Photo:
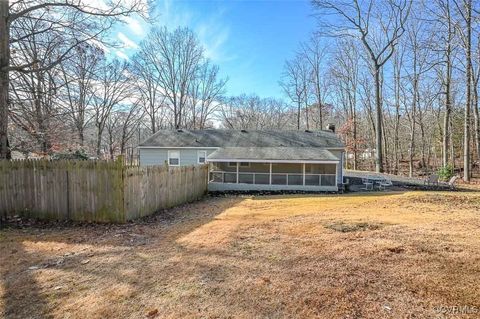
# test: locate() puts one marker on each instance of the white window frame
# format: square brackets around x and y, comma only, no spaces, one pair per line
[170,156]
[235,164]
[204,156]
[240,165]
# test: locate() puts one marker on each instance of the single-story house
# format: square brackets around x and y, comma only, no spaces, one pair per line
[244,160]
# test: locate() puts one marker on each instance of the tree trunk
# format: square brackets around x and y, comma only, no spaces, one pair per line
[446,131]
[354,120]
[299,110]
[306,115]
[477,120]
[99,141]
[319,99]
[413,126]
[448,95]
[452,147]
[466,147]
[110,149]
[4,80]
[396,126]
[411,151]
[154,128]
[81,136]
[378,123]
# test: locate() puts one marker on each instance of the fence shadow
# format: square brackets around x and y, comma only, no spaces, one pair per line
[111,249]
[19,283]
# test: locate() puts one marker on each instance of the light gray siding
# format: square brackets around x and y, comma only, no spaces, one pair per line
[159,156]
[188,156]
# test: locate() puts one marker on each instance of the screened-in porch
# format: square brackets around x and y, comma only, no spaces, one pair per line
[272,176]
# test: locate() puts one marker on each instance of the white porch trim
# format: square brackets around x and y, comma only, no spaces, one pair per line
[273,161]
[181,147]
[221,187]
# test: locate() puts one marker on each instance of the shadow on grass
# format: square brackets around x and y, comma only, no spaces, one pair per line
[19,284]
[344,195]
[259,270]
[25,297]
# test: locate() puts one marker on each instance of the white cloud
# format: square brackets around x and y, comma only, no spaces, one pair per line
[121,55]
[211,29]
[129,44]
[134,25]
[214,37]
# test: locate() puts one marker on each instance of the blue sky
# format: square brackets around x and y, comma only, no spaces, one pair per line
[248,39]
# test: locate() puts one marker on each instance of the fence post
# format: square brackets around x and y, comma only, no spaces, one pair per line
[67,167]
[120,169]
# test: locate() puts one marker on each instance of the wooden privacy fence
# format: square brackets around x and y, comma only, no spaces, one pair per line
[99,191]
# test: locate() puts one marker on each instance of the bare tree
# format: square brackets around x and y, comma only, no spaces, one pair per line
[78,74]
[444,29]
[121,126]
[205,91]
[464,8]
[149,89]
[111,90]
[73,21]
[295,83]
[253,112]
[315,54]
[389,17]
[345,76]
[475,102]
[34,95]
[175,56]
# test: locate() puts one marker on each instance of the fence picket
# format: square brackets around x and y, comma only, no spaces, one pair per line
[99,191]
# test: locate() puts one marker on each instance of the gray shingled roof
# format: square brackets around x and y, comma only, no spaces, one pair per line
[249,138]
[273,153]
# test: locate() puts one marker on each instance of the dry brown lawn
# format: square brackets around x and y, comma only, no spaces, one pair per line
[392,255]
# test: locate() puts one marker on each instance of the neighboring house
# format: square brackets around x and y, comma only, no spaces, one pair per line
[253,159]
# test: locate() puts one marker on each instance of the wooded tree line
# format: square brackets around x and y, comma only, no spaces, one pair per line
[399,78]
[66,92]
[403,77]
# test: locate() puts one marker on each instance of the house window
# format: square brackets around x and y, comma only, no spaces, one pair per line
[201,155]
[174,158]
[232,164]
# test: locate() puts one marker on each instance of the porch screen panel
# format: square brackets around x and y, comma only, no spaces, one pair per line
[245,178]
[312,180]
[295,179]
[279,179]
[230,177]
[328,180]
[216,177]
[262,179]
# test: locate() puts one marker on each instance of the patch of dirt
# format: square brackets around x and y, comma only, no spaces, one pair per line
[345,227]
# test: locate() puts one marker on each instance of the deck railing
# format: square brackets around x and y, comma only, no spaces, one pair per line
[273,178]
